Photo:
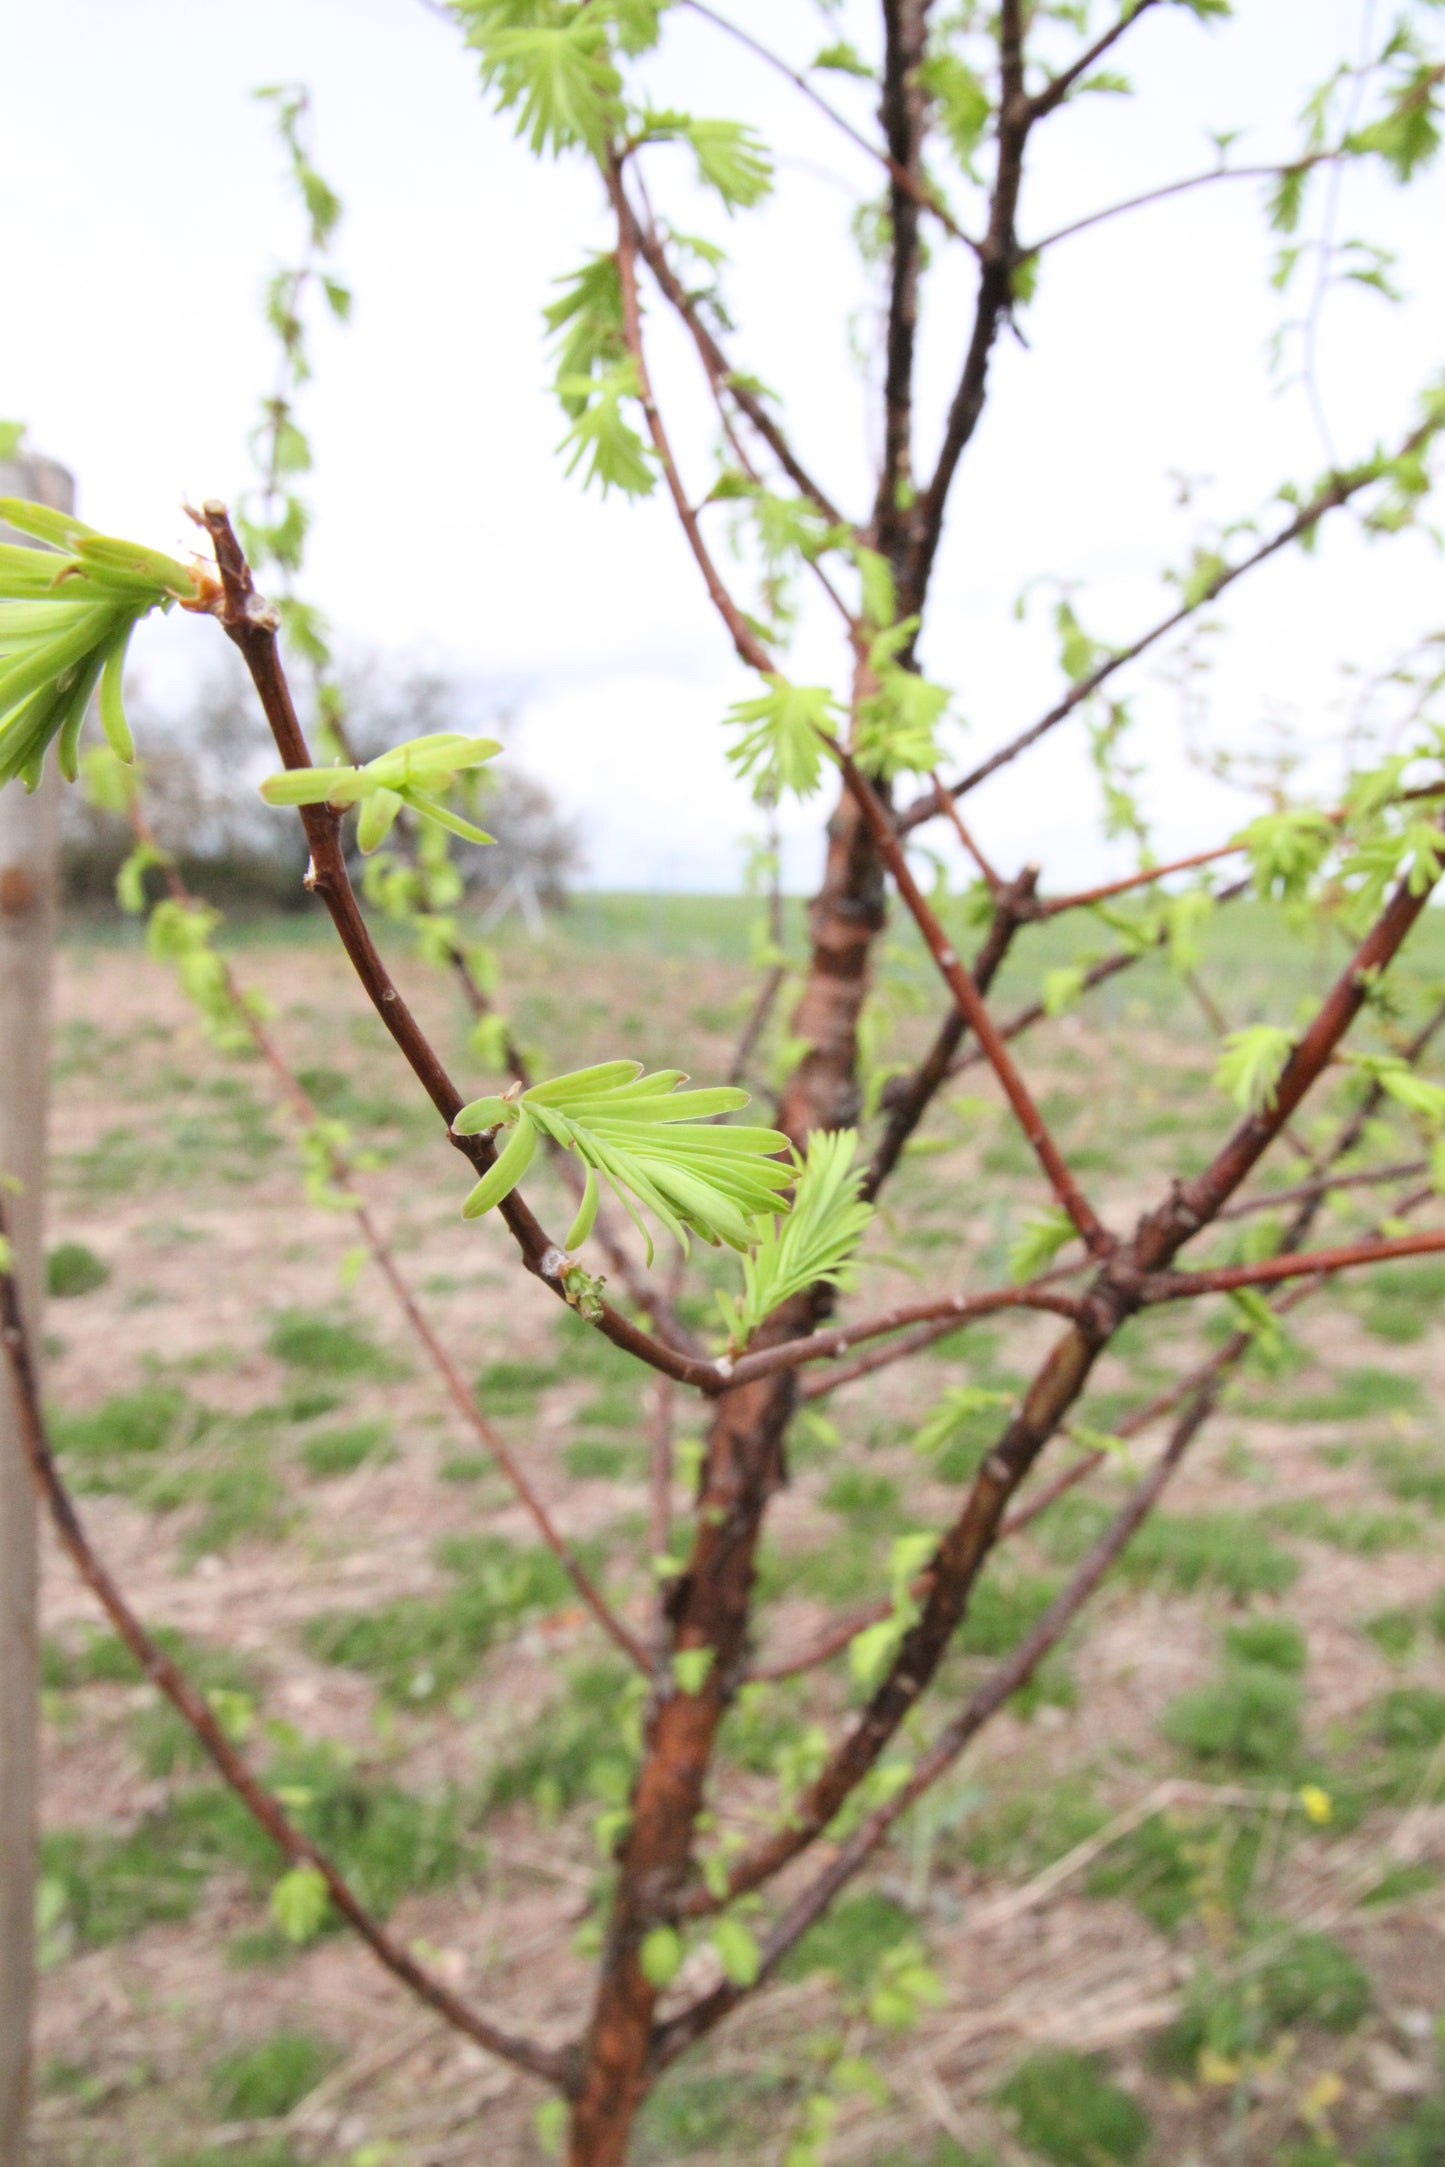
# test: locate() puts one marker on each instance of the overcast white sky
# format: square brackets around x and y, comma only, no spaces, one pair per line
[146,205]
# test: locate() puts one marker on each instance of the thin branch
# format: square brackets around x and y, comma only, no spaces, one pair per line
[1371,1177]
[1096,975]
[1337,491]
[903,112]
[1226,1278]
[909,1108]
[897,1350]
[719,370]
[1177,188]
[911,183]
[993,881]
[552,2063]
[997,258]
[955,1308]
[966,994]
[480,1004]
[1117,1292]
[1051,906]
[834,1638]
[750,648]
[420,1325]
[683,2030]
[252,625]
[1057,89]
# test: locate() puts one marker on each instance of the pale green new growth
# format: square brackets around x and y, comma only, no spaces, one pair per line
[1400,1082]
[1251,1065]
[813,1244]
[896,723]
[952,1412]
[67,612]
[783,737]
[1039,1243]
[415,774]
[871,1651]
[653,1144]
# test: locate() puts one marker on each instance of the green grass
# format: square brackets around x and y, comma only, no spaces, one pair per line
[577,1748]
[692,2112]
[109,1884]
[1065,2109]
[263,2082]
[1394,1632]
[1416,2140]
[329,1346]
[1400,1301]
[1017,1834]
[271,2154]
[850,1941]
[862,1490]
[1248,1722]
[600,1459]
[1412,1716]
[1412,1472]
[128,1424]
[419,1648]
[1306,1978]
[1355,1396]
[513,1388]
[72,1269]
[1165,1867]
[1277,1643]
[342,1451]
[1366,1534]
[1185,1554]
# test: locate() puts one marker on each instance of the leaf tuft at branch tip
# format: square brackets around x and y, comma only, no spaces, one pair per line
[814,1244]
[659,1148]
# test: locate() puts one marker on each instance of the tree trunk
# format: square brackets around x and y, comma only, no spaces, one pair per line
[27,928]
[711,1604]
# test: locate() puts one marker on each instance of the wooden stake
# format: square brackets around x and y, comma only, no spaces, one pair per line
[28,898]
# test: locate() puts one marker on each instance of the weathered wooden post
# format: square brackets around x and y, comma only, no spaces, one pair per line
[28,898]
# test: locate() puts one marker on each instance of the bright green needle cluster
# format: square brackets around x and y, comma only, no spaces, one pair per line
[416,774]
[816,1241]
[653,1144]
[67,612]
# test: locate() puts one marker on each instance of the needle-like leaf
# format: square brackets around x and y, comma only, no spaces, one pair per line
[658,1147]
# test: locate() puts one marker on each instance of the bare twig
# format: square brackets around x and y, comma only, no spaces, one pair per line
[913,184]
[1337,491]
[252,625]
[550,2062]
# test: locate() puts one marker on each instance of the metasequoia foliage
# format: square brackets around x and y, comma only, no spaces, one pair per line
[961,95]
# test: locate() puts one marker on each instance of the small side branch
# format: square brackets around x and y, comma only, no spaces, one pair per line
[965,992]
[251,624]
[949,1310]
[552,2063]
[1226,1279]
[1337,491]
[683,2030]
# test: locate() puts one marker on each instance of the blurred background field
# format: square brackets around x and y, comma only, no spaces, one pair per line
[1185,1901]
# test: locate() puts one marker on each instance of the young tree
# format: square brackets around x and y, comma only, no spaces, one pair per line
[964,96]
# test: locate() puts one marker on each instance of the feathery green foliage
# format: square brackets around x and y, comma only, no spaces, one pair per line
[416,775]
[653,1144]
[67,612]
[784,731]
[813,1244]
[1251,1065]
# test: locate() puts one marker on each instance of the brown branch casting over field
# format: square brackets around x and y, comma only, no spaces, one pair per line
[549,2062]
[1338,490]
[382,1255]
[252,625]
